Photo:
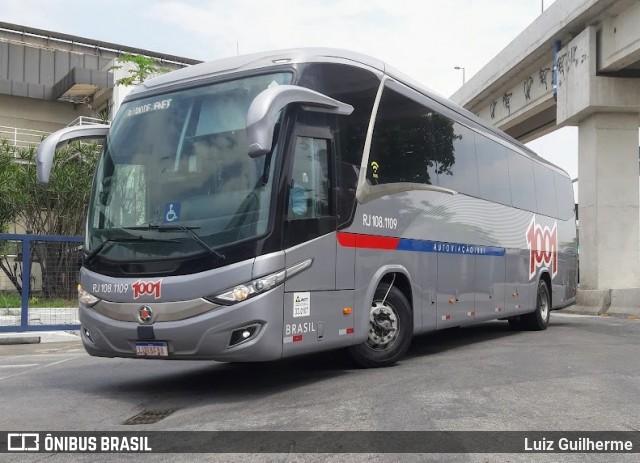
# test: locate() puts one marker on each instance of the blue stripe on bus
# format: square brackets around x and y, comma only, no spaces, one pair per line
[407,244]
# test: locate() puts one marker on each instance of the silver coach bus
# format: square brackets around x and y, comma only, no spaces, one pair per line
[277,204]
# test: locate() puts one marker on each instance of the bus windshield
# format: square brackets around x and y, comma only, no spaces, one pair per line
[175,179]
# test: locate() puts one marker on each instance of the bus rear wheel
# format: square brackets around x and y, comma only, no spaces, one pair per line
[537,320]
[390,329]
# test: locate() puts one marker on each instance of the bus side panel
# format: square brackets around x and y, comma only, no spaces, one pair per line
[345,267]
[429,273]
[564,285]
[552,241]
[456,289]
[316,321]
[314,313]
[382,221]
[321,275]
[490,287]
[517,282]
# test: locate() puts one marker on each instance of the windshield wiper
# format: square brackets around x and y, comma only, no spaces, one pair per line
[188,230]
[120,239]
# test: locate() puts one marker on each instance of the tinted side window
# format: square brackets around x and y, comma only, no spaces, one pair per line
[352,85]
[564,195]
[461,174]
[309,191]
[523,191]
[545,190]
[493,172]
[411,142]
[357,87]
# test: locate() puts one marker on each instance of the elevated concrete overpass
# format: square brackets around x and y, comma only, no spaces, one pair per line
[578,64]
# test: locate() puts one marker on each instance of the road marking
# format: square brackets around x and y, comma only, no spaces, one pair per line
[40,367]
[573,315]
[24,365]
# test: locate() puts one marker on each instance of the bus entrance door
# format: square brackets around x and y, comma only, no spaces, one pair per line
[314,315]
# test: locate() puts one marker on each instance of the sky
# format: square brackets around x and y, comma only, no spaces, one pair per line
[425,39]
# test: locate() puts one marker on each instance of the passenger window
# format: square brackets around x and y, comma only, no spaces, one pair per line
[564,194]
[413,143]
[493,173]
[523,190]
[460,172]
[408,142]
[339,81]
[310,186]
[545,190]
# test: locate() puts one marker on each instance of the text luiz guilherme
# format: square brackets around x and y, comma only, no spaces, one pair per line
[582,444]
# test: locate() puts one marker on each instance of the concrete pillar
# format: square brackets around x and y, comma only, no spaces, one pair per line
[609,209]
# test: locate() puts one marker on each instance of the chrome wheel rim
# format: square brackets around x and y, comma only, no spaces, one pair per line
[383,325]
[544,305]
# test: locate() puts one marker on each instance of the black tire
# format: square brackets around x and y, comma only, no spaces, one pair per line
[515,323]
[384,346]
[538,320]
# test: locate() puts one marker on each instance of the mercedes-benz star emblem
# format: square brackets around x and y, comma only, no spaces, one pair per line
[145,314]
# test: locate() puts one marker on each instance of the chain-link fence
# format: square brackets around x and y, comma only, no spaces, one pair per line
[38,282]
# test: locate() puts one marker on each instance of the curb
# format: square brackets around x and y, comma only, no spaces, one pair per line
[10,340]
[628,313]
[41,337]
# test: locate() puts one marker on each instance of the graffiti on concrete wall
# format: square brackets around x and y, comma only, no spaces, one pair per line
[561,67]
[539,83]
[528,82]
[506,101]
[572,58]
[542,75]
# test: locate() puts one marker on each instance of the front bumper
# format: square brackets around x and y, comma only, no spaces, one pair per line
[203,336]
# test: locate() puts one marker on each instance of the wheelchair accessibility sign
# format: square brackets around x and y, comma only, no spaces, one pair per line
[171,212]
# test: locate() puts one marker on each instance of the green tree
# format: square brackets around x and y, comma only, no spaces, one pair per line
[58,208]
[143,68]
[7,174]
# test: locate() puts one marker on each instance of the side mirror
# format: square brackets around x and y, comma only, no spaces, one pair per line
[47,149]
[265,107]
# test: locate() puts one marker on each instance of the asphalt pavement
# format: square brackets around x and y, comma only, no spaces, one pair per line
[34,337]
[581,374]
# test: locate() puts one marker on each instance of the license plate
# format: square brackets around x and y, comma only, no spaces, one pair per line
[152,349]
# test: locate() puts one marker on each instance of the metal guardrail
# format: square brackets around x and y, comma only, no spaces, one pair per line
[22,138]
[57,259]
[85,120]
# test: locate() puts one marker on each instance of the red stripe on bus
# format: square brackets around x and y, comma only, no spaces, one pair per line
[353,240]
[347,240]
[297,338]
[350,331]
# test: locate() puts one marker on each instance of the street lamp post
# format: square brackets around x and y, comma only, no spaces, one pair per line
[463,76]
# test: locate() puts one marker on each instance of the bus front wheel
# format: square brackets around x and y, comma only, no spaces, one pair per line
[390,329]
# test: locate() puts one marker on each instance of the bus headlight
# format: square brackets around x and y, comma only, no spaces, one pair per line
[86,298]
[239,293]
[260,285]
